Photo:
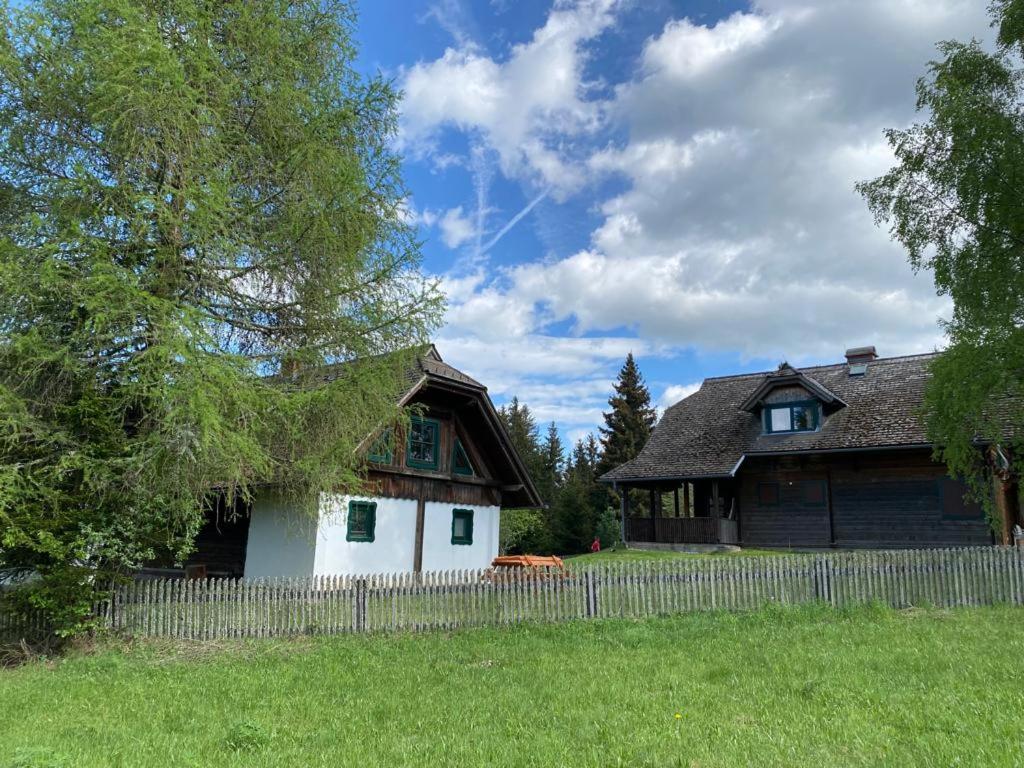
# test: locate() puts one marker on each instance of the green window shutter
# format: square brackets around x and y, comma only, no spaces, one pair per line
[362,520]
[423,445]
[462,526]
[460,461]
[382,450]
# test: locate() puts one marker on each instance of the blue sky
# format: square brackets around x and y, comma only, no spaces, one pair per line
[674,178]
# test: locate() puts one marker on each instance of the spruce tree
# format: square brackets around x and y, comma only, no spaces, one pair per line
[523,432]
[192,196]
[629,423]
[581,508]
[551,465]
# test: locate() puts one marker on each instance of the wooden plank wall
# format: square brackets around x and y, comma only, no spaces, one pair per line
[891,499]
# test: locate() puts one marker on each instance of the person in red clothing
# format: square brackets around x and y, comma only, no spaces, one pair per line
[596,546]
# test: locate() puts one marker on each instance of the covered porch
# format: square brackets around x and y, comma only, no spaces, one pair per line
[701,511]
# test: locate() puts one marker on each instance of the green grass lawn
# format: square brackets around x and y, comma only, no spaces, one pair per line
[606,556]
[795,687]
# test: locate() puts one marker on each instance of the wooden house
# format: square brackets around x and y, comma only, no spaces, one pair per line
[829,456]
[432,503]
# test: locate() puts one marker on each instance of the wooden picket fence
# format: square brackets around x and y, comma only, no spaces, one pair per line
[225,608]
[230,608]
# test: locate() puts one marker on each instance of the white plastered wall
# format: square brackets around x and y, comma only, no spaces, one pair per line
[439,554]
[391,551]
[285,541]
[282,540]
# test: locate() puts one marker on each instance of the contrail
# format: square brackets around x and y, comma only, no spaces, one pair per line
[512,222]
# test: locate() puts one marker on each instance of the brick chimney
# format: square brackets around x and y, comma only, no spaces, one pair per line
[861,355]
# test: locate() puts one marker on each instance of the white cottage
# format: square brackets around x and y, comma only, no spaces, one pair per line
[435,505]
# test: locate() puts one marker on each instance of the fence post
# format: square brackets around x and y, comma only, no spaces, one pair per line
[822,580]
[592,594]
[360,606]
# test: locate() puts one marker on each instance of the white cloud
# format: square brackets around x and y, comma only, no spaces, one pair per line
[456,228]
[686,50]
[739,228]
[674,393]
[734,225]
[527,107]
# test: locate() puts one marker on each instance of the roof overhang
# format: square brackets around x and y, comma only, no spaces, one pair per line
[478,394]
[761,455]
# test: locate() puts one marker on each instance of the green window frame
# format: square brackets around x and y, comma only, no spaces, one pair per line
[461,464]
[382,449]
[362,521]
[462,526]
[803,416]
[423,446]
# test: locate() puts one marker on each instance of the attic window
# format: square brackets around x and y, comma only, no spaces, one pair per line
[803,416]
[424,443]
[858,369]
[460,461]
[381,450]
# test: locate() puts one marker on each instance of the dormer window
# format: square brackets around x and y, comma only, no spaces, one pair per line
[802,416]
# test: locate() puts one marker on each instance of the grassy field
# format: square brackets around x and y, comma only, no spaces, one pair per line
[796,687]
[606,556]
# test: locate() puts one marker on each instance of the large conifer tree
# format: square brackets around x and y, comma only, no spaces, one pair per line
[629,423]
[191,194]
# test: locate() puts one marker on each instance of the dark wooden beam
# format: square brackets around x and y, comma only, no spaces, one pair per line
[624,496]
[421,508]
[675,500]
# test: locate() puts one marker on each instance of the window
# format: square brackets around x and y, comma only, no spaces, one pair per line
[768,494]
[462,526]
[813,492]
[791,417]
[424,438]
[460,461]
[362,519]
[382,451]
[956,504]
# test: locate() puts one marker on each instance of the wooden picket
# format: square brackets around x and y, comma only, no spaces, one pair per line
[450,600]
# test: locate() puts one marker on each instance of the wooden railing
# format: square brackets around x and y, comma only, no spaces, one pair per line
[682,530]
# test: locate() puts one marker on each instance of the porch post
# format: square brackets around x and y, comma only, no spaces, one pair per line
[686,500]
[624,507]
[675,499]
[714,499]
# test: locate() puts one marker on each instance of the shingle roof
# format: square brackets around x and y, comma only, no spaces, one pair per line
[427,364]
[707,434]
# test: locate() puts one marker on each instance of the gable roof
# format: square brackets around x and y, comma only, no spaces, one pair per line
[429,371]
[788,376]
[709,433]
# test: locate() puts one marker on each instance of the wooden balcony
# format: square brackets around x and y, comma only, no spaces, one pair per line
[682,530]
